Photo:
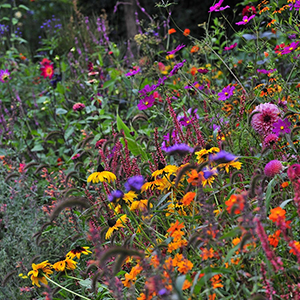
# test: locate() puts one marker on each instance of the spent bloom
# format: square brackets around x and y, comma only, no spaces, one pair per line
[226,93]
[217,7]
[248,11]
[272,168]
[245,20]
[4,75]
[263,121]
[282,126]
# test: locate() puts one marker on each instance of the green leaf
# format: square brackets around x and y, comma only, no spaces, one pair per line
[63,66]
[108,83]
[269,193]
[6,5]
[60,88]
[23,6]
[133,146]
[15,21]
[37,148]
[87,283]
[69,132]
[61,111]
[179,283]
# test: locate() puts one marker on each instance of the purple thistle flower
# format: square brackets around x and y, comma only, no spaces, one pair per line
[4,75]
[115,195]
[217,7]
[180,149]
[282,126]
[222,157]
[245,20]
[146,102]
[209,172]
[230,47]
[267,115]
[179,47]
[226,93]
[134,183]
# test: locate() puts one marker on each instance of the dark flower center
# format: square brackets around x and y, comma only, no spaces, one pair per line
[267,118]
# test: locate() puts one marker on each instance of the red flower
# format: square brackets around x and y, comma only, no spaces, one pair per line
[47,70]
[186,32]
[248,11]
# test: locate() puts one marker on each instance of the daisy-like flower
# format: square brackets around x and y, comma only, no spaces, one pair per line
[177,67]
[267,115]
[102,176]
[245,20]
[282,126]
[230,47]
[47,70]
[186,32]
[181,149]
[270,139]
[65,264]
[272,168]
[226,93]
[134,183]
[77,251]
[40,272]
[115,225]
[169,169]
[202,155]
[235,164]
[78,106]
[146,102]
[217,7]
[139,204]
[288,49]
[4,75]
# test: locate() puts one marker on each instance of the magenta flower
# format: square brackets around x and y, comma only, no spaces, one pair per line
[4,75]
[270,139]
[226,93]
[230,47]
[78,106]
[133,71]
[146,102]
[202,71]
[290,48]
[217,7]
[282,126]
[245,20]
[272,168]
[179,47]
[266,71]
[263,121]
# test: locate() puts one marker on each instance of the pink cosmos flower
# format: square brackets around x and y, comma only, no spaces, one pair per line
[290,48]
[217,7]
[282,126]
[4,75]
[230,47]
[245,20]
[226,93]
[263,121]
[146,102]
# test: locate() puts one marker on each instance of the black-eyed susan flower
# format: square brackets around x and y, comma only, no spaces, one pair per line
[115,225]
[66,263]
[140,204]
[102,176]
[202,155]
[235,164]
[77,251]
[40,272]
[169,169]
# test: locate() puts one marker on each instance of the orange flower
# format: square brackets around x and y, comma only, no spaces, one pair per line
[186,32]
[172,30]
[295,247]
[212,297]
[188,198]
[195,49]
[185,266]
[22,56]
[285,184]
[194,71]
[206,254]
[174,227]
[216,281]
[193,177]
[130,278]
[266,54]
[274,238]
[186,285]
[235,204]
[277,214]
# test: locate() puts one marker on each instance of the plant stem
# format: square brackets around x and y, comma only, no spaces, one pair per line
[64,288]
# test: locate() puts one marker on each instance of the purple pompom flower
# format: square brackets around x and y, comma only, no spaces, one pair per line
[222,157]
[134,183]
[272,168]
[180,149]
[114,196]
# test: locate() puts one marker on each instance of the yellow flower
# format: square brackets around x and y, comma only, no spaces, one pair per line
[103,176]
[65,264]
[203,154]
[115,225]
[141,205]
[234,164]
[39,272]
[130,196]
[76,252]
[169,169]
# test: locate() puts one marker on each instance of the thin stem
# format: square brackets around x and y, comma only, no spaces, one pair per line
[64,288]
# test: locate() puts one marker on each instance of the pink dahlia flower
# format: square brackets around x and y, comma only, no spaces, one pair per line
[267,114]
[272,168]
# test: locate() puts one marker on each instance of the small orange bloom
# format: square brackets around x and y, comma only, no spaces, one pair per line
[295,247]
[277,214]
[186,285]
[195,49]
[188,198]
[206,254]
[212,297]
[194,177]
[186,32]
[274,238]
[285,184]
[216,281]
[266,54]
[172,30]
[235,204]
[174,227]
[194,71]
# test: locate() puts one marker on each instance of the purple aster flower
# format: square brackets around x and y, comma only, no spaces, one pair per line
[4,75]
[270,139]
[217,7]
[115,195]
[176,68]
[209,172]
[282,126]
[245,20]
[222,157]
[146,102]
[180,149]
[266,71]
[272,168]
[134,183]
[78,106]
[267,114]
[133,72]
[230,47]
[179,47]
[290,48]
[226,93]
[292,36]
